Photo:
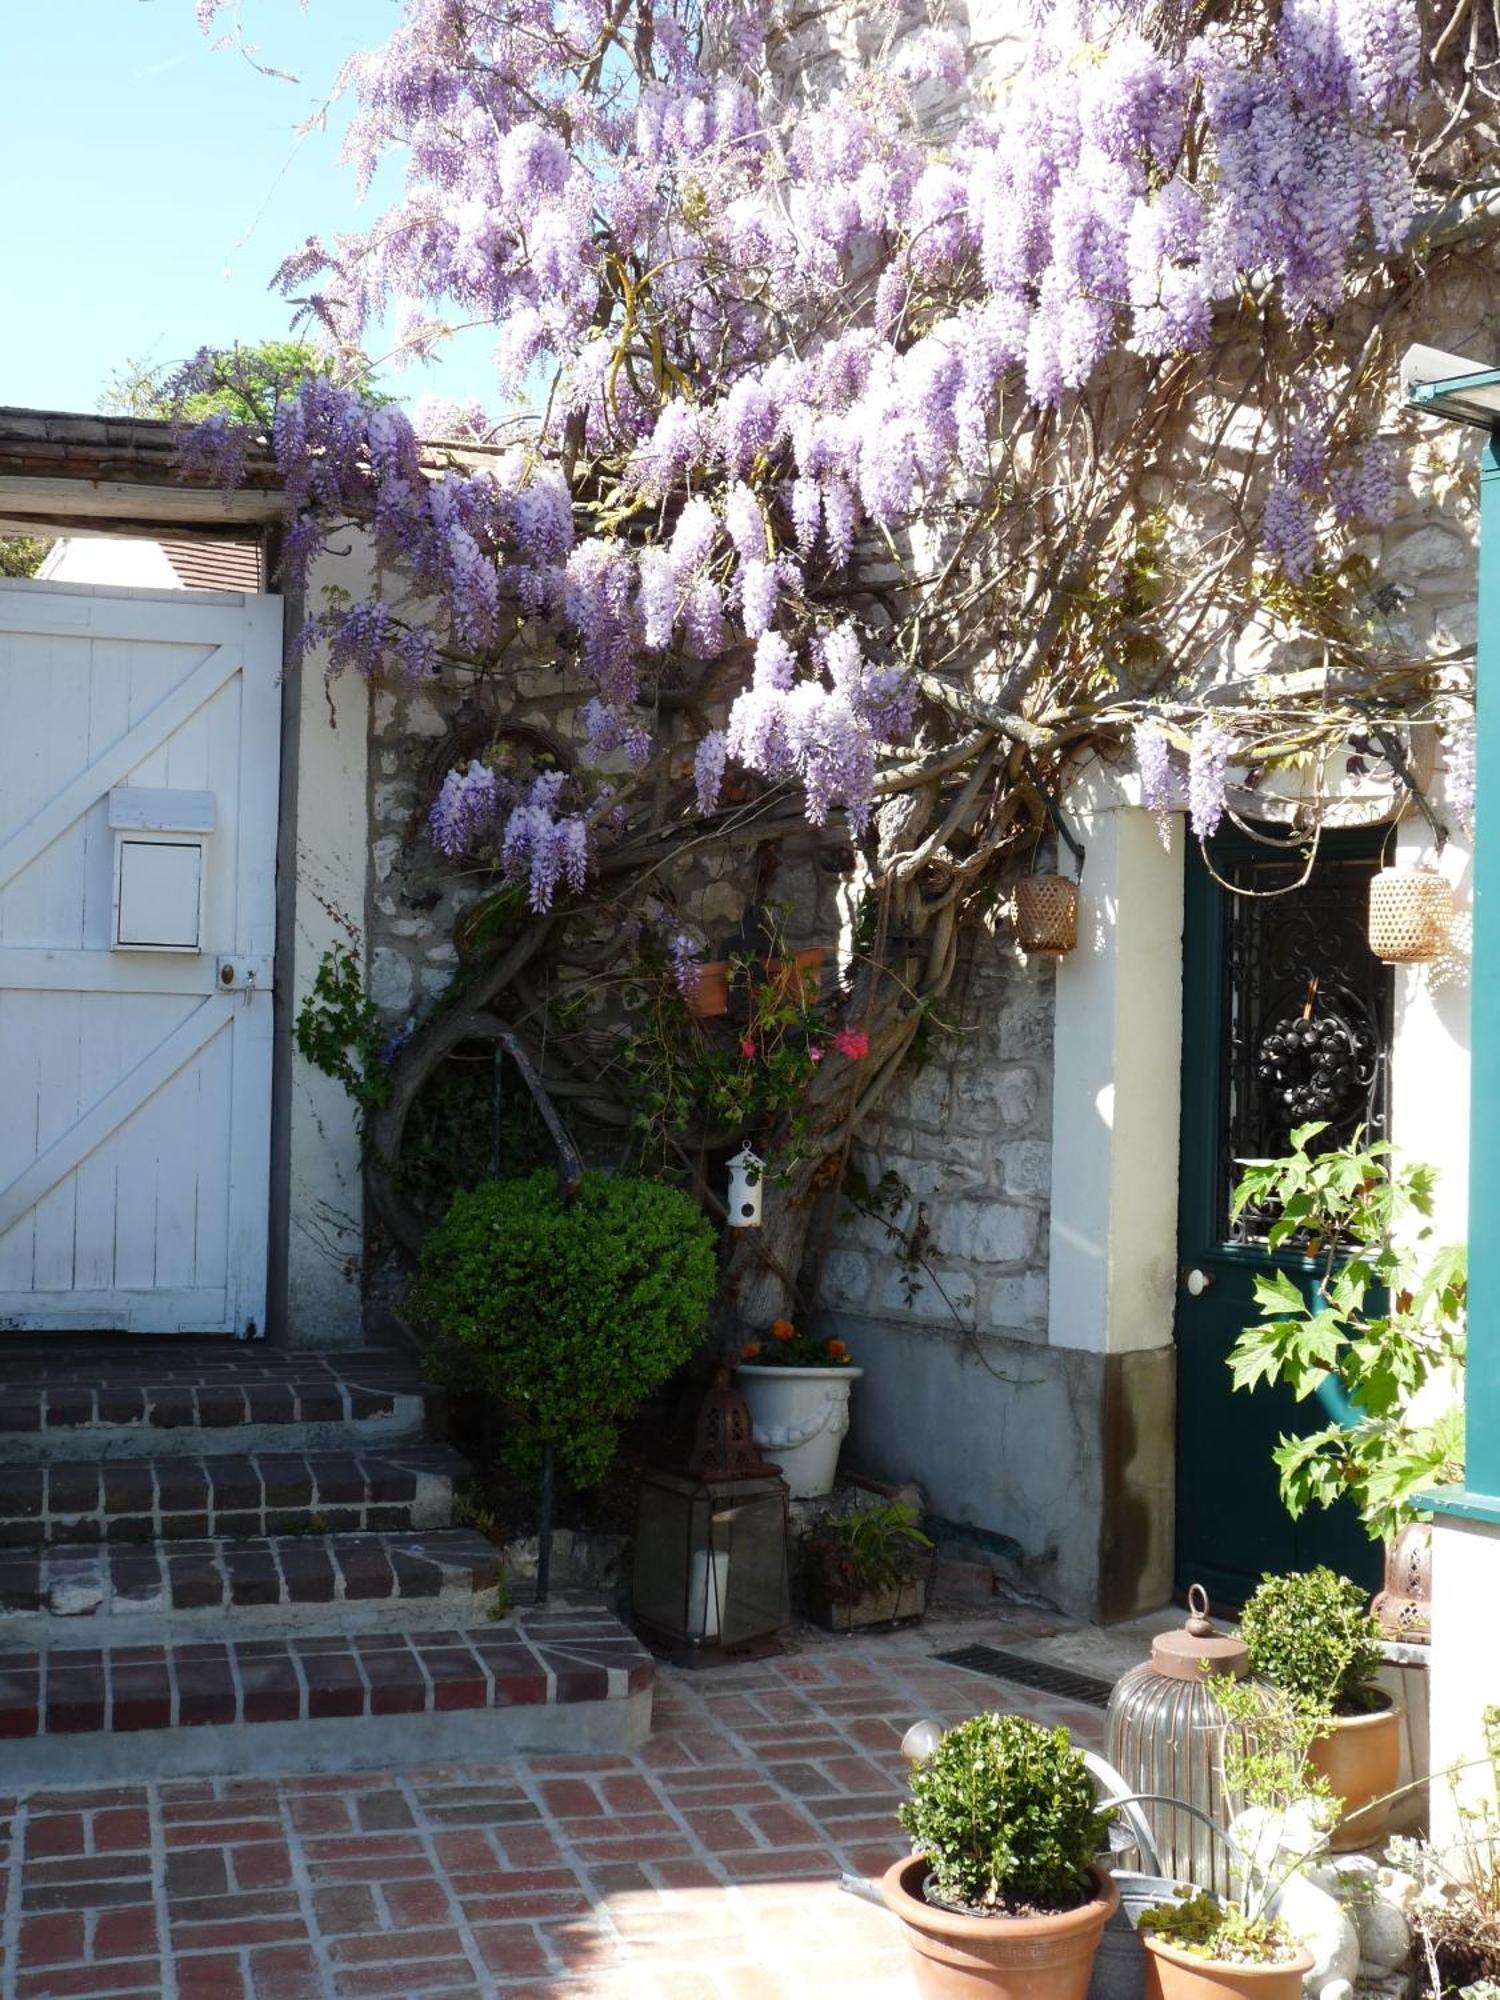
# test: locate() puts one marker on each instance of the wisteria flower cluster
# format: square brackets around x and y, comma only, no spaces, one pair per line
[770,327]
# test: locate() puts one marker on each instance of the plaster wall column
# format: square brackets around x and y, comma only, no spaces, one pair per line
[1113,1232]
[317,1190]
[1430,1044]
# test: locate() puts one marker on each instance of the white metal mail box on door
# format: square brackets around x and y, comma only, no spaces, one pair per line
[159,867]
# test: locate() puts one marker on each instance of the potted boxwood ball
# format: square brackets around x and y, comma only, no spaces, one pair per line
[1002,1895]
[1310,1634]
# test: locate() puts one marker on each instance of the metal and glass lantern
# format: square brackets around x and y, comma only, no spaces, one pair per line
[1164,1734]
[711,1542]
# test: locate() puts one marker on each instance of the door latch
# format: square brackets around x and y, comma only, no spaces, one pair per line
[243,975]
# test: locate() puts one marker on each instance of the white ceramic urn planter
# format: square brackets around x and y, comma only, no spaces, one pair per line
[800,1416]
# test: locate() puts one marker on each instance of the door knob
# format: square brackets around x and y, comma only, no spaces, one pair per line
[1198,1282]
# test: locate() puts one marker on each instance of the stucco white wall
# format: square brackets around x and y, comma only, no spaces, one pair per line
[113,559]
[1116,1084]
[1465,1676]
[1430,1046]
[325,1192]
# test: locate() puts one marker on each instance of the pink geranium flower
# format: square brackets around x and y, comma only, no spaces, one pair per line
[747,1046]
[853,1043]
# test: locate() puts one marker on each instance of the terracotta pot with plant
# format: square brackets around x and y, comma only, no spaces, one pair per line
[1310,1634]
[1198,1948]
[867,1568]
[1003,1895]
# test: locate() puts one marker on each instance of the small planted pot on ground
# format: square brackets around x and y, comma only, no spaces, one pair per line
[1310,1634]
[867,1568]
[1199,1949]
[1003,1896]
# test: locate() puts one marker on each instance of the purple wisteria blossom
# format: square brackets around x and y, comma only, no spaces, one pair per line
[466,811]
[1153,760]
[782,331]
[544,847]
[682,956]
[1460,781]
[1209,751]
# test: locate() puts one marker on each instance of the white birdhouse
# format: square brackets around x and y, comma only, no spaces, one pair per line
[745,1170]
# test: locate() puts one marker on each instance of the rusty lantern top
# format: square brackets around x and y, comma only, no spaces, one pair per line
[1198,1648]
[724,1444]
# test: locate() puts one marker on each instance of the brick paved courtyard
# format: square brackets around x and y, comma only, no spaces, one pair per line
[704,1867]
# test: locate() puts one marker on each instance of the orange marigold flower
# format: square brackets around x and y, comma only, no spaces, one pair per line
[749,1351]
[838,1351]
[782,1329]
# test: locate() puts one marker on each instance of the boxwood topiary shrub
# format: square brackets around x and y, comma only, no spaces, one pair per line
[1310,1634]
[569,1313]
[1005,1812]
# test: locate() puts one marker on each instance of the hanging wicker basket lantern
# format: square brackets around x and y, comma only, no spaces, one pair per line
[1047,914]
[1410,911]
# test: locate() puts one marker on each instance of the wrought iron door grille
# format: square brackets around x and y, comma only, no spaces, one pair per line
[1301,953]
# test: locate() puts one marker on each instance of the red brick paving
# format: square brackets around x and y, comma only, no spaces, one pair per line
[706,1866]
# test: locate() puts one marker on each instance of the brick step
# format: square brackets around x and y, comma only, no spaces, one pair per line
[563,1676]
[446,1573]
[193,1498]
[142,1399]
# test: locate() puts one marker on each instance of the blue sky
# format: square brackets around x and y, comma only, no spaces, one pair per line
[153,185]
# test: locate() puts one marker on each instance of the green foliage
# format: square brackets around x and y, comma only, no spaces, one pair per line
[1310,1633]
[339,1032]
[1366,1222]
[1199,1923]
[22,555]
[1268,1733]
[1004,1811]
[685,1076]
[871,1550]
[250,381]
[569,1313]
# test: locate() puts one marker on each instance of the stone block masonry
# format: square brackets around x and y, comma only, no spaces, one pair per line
[967,1135]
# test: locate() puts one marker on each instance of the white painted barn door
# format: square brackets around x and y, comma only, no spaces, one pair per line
[135,1083]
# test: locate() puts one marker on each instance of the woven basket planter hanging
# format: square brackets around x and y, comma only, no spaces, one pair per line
[1047,914]
[1410,911]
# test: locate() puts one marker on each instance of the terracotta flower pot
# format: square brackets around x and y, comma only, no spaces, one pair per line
[1361,1759]
[796,978]
[955,1957]
[710,994]
[1172,1974]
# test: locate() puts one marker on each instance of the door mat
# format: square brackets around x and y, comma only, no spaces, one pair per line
[1039,1674]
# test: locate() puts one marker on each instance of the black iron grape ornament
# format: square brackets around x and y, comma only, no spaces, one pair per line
[1310,1064]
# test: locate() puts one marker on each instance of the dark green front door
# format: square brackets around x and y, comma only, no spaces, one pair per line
[1248,961]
